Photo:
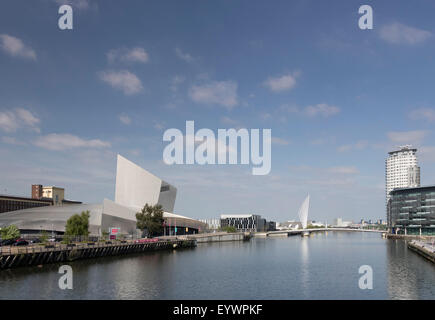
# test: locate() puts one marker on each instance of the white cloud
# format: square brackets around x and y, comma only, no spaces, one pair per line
[183,56]
[321,109]
[15,47]
[283,83]
[8,121]
[427,153]
[359,145]
[27,117]
[125,119]
[423,114]
[266,116]
[175,82]
[59,142]
[280,141]
[222,93]
[340,176]
[12,140]
[397,33]
[123,80]
[343,170]
[412,137]
[323,140]
[17,118]
[159,125]
[229,121]
[128,55]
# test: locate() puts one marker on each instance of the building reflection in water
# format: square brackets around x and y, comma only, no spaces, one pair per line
[402,280]
[305,272]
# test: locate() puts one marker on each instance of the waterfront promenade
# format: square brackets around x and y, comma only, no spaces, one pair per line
[423,248]
[11,257]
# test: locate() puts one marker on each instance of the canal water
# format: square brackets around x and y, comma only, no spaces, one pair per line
[322,266]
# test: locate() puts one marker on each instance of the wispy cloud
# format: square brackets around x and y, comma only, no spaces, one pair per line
[412,137]
[159,125]
[222,93]
[423,114]
[281,83]
[343,170]
[58,142]
[16,48]
[123,80]
[229,121]
[183,55]
[321,109]
[427,153]
[13,141]
[125,119]
[397,33]
[359,145]
[175,82]
[17,118]
[280,141]
[327,176]
[137,54]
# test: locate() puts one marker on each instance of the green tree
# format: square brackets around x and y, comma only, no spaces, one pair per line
[78,225]
[44,236]
[229,229]
[10,232]
[104,234]
[151,219]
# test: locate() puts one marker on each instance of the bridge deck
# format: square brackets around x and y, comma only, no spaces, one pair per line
[291,232]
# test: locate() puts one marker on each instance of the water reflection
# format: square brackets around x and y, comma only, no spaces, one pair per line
[409,275]
[323,266]
[305,271]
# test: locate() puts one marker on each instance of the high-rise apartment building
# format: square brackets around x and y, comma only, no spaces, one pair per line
[401,170]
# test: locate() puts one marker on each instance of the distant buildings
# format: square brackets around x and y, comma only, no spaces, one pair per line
[271,226]
[286,225]
[315,224]
[338,222]
[247,222]
[41,197]
[212,224]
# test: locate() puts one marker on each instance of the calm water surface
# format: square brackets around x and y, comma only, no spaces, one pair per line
[323,266]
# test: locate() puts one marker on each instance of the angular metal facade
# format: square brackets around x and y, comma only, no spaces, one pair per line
[135,187]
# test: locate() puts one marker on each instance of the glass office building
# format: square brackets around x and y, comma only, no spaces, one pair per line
[244,222]
[412,211]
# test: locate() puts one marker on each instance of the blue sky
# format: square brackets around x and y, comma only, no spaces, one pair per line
[337,98]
